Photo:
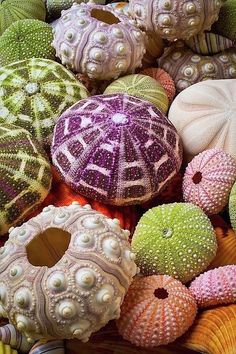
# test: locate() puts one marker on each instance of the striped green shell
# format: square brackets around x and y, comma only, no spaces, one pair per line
[25,175]
[209,43]
[141,86]
[34,93]
[14,10]
[232,207]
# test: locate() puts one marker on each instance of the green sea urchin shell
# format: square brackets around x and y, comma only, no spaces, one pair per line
[26,39]
[232,207]
[174,239]
[226,24]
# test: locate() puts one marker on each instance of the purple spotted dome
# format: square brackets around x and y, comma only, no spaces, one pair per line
[117,149]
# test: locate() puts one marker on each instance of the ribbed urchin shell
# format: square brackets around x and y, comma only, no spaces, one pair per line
[148,313]
[175,239]
[14,10]
[141,86]
[26,39]
[208,180]
[117,149]
[163,78]
[34,92]
[232,207]
[25,175]
[215,287]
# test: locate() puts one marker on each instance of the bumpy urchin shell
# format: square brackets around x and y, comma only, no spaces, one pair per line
[175,239]
[11,336]
[126,149]
[164,78]
[25,175]
[215,287]
[26,39]
[187,68]
[232,207]
[14,10]
[141,86]
[148,313]
[208,180]
[226,24]
[175,19]
[34,92]
[113,48]
[75,283]
[50,347]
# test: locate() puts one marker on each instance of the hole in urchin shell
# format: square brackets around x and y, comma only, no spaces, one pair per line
[197,177]
[104,16]
[47,248]
[161,293]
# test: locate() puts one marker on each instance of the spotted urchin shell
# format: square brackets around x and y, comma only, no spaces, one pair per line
[86,276]
[98,41]
[148,313]
[175,19]
[187,68]
[215,287]
[34,92]
[9,335]
[117,149]
[163,78]
[25,175]
[208,180]
[232,207]
[141,86]
[175,239]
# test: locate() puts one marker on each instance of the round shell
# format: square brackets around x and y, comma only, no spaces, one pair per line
[232,207]
[226,24]
[148,313]
[125,149]
[98,41]
[33,94]
[175,239]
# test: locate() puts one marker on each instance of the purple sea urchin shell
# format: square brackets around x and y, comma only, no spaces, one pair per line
[116,148]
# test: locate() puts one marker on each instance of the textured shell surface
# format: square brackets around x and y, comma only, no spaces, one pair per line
[9,335]
[204,116]
[34,93]
[152,302]
[215,287]
[141,86]
[117,149]
[25,175]
[82,291]
[226,24]
[208,180]
[175,19]
[188,68]
[98,41]
[208,43]
[175,239]
[232,207]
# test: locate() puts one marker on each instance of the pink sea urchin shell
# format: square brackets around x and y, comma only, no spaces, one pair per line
[208,180]
[215,287]
[156,310]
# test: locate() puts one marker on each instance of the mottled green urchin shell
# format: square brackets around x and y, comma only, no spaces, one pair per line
[26,39]
[226,24]
[35,92]
[25,175]
[14,10]
[174,239]
[232,207]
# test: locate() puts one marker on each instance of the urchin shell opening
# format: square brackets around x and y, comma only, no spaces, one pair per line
[104,16]
[48,247]
[161,293]
[197,177]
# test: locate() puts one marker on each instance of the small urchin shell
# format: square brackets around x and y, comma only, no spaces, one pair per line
[75,291]
[141,86]
[116,149]
[232,207]
[175,19]
[175,239]
[148,313]
[215,287]
[98,41]
[208,180]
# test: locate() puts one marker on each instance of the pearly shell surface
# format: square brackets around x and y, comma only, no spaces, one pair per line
[82,291]
[103,49]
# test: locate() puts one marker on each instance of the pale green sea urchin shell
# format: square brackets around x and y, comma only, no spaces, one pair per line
[232,207]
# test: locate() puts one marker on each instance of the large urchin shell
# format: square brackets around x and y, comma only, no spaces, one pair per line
[25,175]
[117,149]
[98,41]
[175,19]
[208,180]
[35,92]
[232,207]
[148,313]
[175,239]
[82,291]
[215,287]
